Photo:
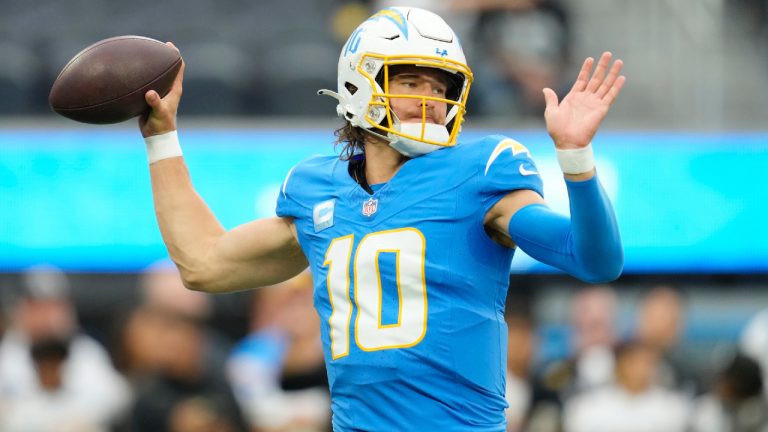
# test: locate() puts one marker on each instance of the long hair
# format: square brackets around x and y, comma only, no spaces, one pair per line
[351,138]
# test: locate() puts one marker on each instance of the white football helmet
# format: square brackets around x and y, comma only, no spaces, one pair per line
[401,36]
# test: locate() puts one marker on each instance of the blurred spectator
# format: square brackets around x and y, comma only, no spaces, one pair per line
[139,344]
[632,403]
[531,405]
[520,345]
[255,62]
[175,364]
[198,414]
[754,342]
[593,317]
[749,15]
[49,357]
[278,370]
[660,323]
[660,318]
[736,403]
[520,47]
[52,374]
[593,335]
[142,341]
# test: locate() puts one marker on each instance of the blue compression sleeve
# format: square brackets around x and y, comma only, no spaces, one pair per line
[587,246]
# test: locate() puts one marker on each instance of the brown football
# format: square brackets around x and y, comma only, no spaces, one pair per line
[106,82]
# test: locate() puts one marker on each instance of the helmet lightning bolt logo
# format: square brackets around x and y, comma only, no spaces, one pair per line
[390,14]
[395,16]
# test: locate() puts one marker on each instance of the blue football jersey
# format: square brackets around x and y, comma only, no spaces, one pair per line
[409,287]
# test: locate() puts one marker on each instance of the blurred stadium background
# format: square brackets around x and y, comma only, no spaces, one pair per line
[682,154]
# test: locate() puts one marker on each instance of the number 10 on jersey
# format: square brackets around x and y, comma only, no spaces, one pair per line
[409,247]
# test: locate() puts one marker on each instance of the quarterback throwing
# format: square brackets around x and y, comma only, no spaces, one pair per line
[410,232]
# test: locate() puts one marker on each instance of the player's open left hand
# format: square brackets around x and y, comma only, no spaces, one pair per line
[162,116]
[574,121]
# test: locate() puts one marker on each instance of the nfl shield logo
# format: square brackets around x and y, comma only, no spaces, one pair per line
[370,206]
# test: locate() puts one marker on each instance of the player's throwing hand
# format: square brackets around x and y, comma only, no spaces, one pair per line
[162,116]
[574,121]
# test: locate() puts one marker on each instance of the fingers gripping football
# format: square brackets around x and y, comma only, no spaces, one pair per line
[162,115]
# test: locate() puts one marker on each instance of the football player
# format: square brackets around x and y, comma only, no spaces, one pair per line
[409,235]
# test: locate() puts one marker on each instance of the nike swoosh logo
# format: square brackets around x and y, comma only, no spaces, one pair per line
[527,172]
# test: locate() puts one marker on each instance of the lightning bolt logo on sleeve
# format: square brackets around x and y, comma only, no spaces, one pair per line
[515,147]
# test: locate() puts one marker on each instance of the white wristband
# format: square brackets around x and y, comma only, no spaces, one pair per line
[163,146]
[576,161]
